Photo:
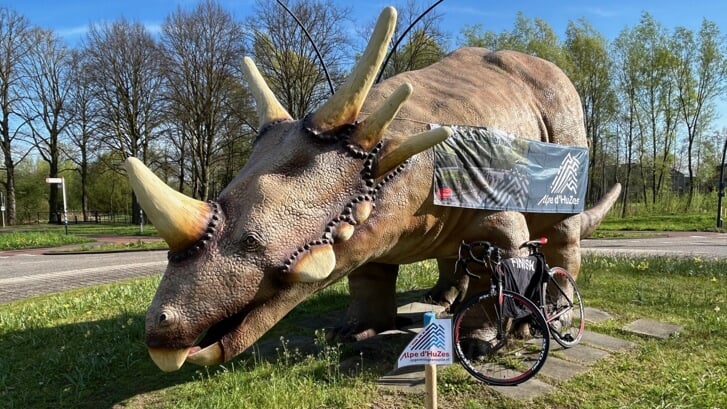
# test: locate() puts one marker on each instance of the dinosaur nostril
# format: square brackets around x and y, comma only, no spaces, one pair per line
[167,317]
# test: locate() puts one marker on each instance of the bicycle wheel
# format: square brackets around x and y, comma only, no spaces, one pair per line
[513,356]
[564,308]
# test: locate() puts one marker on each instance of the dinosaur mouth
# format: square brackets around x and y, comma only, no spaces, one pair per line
[206,351]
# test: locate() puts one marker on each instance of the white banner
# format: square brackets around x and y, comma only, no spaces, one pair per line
[480,168]
[431,346]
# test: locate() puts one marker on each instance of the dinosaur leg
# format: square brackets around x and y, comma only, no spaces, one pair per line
[373,302]
[564,246]
[451,285]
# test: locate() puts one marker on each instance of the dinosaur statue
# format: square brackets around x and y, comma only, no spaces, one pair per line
[347,191]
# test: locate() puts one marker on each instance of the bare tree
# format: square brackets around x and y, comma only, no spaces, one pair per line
[46,87]
[287,58]
[530,36]
[700,74]
[656,103]
[15,45]
[627,55]
[125,70]
[203,49]
[81,130]
[591,73]
[424,43]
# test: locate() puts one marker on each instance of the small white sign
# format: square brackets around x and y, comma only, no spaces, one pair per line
[2,208]
[53,180]
[432,346]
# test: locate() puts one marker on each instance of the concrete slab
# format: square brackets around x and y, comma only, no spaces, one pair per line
[580,353]
[594,315]
[560,369]
[412,314]
[606,342]
[529,390]
[655,329]
[409,379]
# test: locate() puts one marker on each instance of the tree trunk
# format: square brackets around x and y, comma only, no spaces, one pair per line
[11,206]
[135,209]
[84,187]
[691,172]
[54,206]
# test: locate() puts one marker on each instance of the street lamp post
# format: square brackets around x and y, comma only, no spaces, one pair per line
[2,206]
[720,190]
[62,182]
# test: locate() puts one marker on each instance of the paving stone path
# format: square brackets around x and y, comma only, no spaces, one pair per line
[561,365]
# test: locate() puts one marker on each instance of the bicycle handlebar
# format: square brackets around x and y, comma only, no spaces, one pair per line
[484,252]
[481,252]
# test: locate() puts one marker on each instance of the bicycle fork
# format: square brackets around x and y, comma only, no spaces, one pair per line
[557,312]
[501,338]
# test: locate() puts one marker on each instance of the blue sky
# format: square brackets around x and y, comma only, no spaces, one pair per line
[70,18]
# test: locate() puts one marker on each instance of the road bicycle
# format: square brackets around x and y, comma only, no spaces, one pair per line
[500,336]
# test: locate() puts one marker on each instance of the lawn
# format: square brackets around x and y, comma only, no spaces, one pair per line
[84,349]
[659,222]
[38,236]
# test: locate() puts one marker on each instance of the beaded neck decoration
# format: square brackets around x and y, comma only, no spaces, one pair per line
[359,207]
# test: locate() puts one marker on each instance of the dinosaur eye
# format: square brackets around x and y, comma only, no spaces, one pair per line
[251,242]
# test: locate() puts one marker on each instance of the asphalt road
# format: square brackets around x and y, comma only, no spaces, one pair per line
[697,244]
[28,273]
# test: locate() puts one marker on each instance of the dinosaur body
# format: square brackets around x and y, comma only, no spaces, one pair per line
[347,191]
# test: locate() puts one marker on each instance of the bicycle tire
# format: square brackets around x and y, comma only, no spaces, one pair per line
[507,362]
[563,308]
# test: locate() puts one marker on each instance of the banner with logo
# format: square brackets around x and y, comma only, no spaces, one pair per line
[481,168]
[432,346]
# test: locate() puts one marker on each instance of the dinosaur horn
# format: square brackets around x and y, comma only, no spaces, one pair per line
[400,148]
[180,220]
[369,132]
[268,107]
[344,106]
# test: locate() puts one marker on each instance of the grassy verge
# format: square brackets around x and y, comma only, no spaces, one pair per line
[36,236]
[663,222]
[130,246]
[84,349]
[33,239]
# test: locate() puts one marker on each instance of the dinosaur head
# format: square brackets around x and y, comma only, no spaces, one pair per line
[287,226]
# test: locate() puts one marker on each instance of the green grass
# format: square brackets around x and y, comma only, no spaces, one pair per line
[32,239]
[130,246]
[84,349]
[664,222]
[36,236]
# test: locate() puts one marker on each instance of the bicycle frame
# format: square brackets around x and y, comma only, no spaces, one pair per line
[567,297]
[492,259]
[548,278]
[503,356]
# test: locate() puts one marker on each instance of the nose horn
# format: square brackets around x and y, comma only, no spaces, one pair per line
[180,220]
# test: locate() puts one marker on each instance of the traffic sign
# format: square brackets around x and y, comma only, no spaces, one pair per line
[53,180]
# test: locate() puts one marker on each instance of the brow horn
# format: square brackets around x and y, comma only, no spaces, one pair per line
[344,106]
[370,130]
[180,220]
[268,107]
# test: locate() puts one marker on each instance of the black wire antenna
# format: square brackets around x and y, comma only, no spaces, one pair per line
[388,57]
[313,43]
[401,37]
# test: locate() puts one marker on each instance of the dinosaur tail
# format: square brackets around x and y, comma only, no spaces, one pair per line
[591,218]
